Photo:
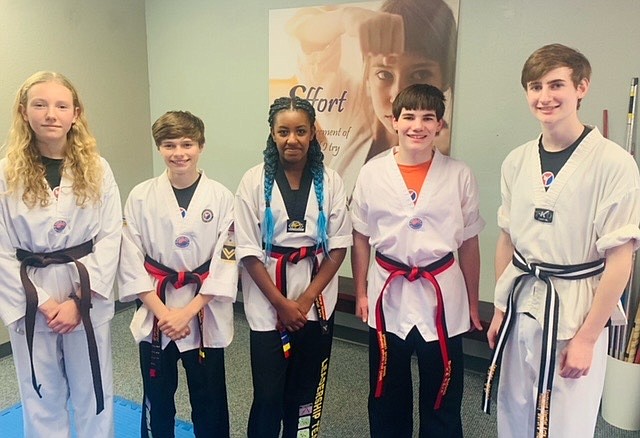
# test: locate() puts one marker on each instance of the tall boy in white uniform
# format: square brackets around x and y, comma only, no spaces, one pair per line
[415,226]
[569,226]
[178,259]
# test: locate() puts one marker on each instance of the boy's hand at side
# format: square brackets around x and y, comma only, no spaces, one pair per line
[360,255]
[474,316]
[575,358]
[362,307]
[492,331]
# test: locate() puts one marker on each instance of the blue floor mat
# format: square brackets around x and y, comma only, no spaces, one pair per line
[127,421]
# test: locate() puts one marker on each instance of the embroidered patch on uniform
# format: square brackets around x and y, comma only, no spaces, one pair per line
[228,252]
[304,422]
[304,433]
[547,178]
[207,215]
[295,226]
[414,195]
[182,241]
[543,215]
[305,410]
[59,226]
[415,223]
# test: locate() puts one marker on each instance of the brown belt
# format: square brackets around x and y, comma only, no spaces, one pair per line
[41,260]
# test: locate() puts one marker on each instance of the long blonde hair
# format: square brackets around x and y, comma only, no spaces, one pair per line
[25,171]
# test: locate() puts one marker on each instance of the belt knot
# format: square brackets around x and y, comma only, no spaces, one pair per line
[413,274]
[536,270]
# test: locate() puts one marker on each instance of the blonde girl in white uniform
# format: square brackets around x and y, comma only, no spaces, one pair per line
[60,225]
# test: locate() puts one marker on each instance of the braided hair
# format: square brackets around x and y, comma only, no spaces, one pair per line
[316,166]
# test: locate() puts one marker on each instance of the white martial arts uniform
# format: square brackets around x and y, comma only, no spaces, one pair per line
[443,217]
[595,199]
[61,361]
[249,214]
[154,226]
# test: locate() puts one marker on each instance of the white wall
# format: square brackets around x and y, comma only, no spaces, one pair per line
[211,58]
[101,46]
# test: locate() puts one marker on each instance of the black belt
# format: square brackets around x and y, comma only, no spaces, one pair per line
[285,255]
[544,272]
[63,256]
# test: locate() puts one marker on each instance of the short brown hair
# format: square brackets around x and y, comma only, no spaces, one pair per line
[419,97]
[178,124]
[553,56]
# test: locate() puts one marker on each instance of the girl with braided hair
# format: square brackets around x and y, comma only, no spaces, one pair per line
[292,229]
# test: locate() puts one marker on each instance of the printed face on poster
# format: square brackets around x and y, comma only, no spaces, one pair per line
[351,60]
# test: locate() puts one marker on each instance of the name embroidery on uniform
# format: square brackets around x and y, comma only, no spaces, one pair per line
[543,215]
[296,226]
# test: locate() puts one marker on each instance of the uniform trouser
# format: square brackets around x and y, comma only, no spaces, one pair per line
[574,402]
[391,415]
[207,392]
[289,391]
[62,368]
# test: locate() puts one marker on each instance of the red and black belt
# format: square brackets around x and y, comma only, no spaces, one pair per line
[544,272]
[397,269]
[63,256]
[284,256]
[166,275]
